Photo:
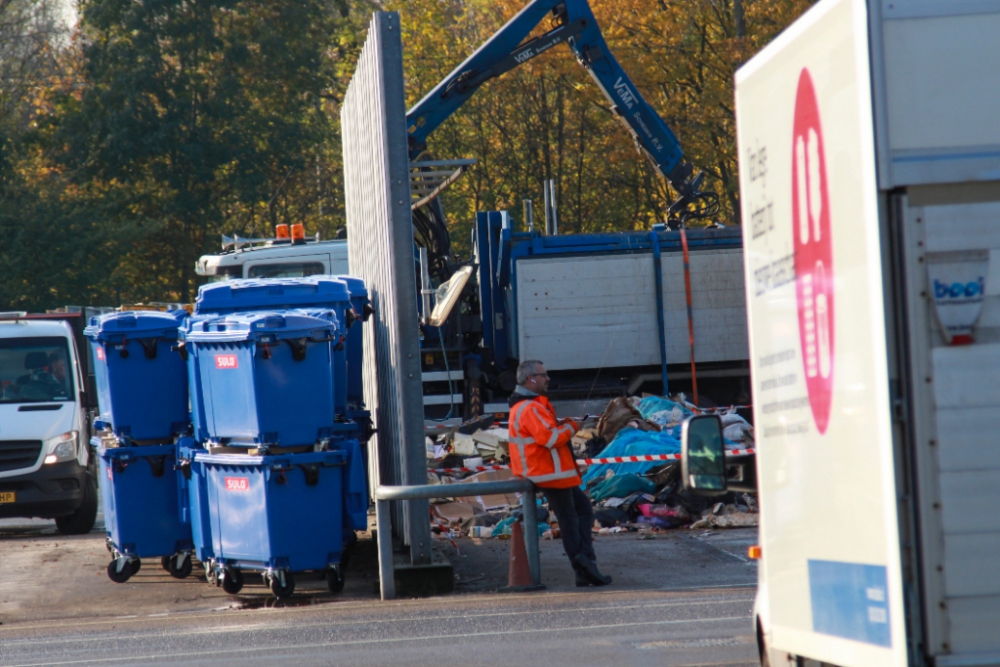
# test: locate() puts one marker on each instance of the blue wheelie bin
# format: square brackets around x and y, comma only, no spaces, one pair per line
[142,509]
[319,296]
[272,514]
[355,348]
[143,400]
[141,379]
[264,378]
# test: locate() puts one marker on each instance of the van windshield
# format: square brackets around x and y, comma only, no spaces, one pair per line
[35,369]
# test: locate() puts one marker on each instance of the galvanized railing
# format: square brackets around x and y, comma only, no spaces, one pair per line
[385,494]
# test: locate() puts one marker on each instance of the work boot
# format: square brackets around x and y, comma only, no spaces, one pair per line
[581,578]
[589,570]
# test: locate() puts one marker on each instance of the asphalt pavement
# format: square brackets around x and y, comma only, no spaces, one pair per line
[681,599]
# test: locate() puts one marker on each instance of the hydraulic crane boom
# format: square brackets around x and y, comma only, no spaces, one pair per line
[578,28]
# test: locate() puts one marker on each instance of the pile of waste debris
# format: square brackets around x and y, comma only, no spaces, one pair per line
[642,496]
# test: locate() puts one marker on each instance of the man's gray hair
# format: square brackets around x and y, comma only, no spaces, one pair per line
[526,369]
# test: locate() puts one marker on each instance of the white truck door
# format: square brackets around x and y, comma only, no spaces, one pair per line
[829,525]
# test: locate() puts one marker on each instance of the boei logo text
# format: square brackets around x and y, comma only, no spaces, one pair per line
[226,361]
[237,484]
[959,290]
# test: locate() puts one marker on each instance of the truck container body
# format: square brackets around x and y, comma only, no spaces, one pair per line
[869,161]
[587,304]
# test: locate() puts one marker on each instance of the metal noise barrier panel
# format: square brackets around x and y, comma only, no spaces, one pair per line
[380,250]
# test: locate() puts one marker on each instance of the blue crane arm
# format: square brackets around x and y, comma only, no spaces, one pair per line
[578,28]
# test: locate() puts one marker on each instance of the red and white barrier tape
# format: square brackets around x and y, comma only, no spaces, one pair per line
[587,462]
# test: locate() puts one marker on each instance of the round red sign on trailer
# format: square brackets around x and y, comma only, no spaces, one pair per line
[813,251]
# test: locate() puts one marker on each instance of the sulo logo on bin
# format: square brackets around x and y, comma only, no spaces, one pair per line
[813,251]
[226,361]
[237,484]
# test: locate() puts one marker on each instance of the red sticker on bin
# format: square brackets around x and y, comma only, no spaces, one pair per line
[237,484]
[226,361]
[100,352]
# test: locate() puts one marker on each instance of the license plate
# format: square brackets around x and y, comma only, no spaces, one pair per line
[7,497]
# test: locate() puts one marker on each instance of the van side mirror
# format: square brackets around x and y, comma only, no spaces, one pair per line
[703,455]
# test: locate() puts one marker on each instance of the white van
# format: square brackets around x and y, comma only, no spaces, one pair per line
[46,468]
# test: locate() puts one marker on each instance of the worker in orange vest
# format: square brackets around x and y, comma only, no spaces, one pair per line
[540,451]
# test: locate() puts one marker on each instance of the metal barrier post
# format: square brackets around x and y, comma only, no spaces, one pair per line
[384,494]
[531,535]
[386,572]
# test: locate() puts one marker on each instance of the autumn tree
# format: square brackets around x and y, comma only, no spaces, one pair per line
[546,119]
[195,114]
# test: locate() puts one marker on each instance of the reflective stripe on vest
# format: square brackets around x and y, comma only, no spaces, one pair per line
[521,441]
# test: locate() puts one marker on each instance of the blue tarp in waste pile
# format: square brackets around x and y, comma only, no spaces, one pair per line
[653,404]
[633,442]
[621,486]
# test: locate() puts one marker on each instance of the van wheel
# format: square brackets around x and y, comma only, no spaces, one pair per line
[82,520]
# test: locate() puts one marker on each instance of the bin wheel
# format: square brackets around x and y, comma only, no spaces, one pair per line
[107,545]
[116,576]
[181,571]
[165,562]
[282,592]
[135,564]
[334,579]
[232,580]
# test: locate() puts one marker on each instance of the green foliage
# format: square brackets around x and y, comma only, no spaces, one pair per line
[197,114]
[126,150]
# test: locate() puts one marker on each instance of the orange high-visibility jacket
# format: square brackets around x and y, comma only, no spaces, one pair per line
[539,446]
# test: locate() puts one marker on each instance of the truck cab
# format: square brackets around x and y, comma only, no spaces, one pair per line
[274,258]
[46,467]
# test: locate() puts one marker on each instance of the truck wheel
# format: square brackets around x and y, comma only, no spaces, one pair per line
[765,660]
[82,520]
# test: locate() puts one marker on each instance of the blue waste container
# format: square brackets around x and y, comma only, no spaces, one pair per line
[355,341]
[272,514]
[141,379]
[194,500]
[320,296]
[265,378]
[355,486]
[142,509]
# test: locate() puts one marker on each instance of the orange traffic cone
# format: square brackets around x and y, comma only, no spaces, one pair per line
[519,574]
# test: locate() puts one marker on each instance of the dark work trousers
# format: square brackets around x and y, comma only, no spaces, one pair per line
[575,515]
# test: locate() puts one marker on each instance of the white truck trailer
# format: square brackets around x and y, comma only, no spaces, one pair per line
[869,150]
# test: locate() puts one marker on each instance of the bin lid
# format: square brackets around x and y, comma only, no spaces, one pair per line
[136,324]
[322,312]
[270,293]
[256,326]
[355,285]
